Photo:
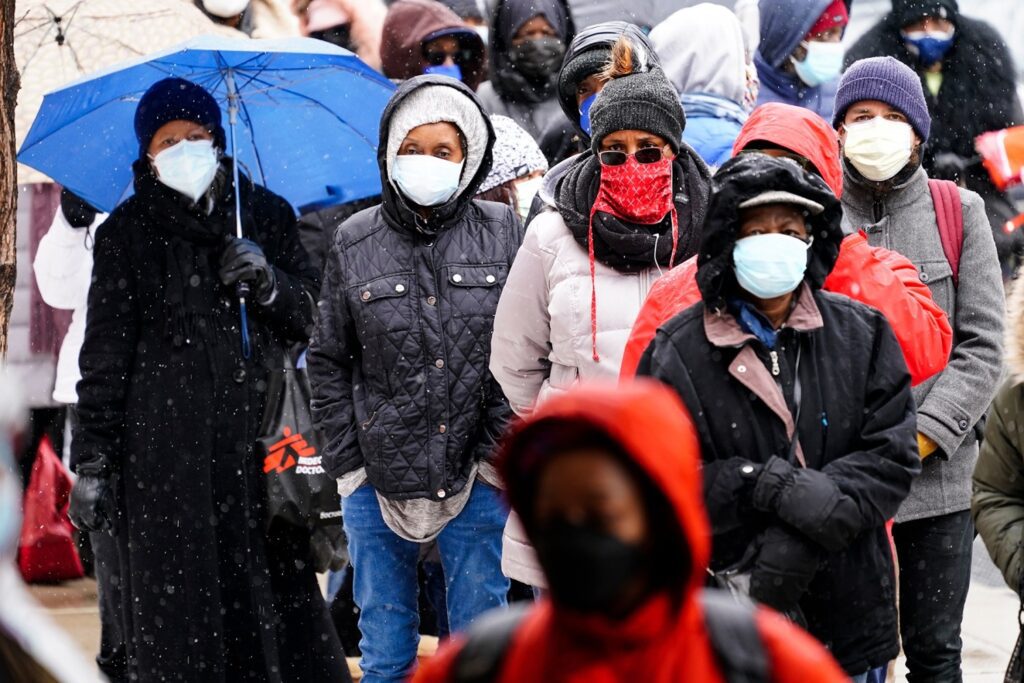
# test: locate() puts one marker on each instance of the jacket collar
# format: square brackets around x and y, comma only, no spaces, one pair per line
[724,331]
[861,194]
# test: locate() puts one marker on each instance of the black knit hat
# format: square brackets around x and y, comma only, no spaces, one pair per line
[638,101]
[174,99]
[908,11]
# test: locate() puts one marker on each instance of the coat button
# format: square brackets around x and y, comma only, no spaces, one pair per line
[490,279]
[741,369]
[438,363]
[365,296]
[441,493]
[924,277]
[456,278]
[399,288]
[442,428]
[431,300]
[963,424]
[238,375]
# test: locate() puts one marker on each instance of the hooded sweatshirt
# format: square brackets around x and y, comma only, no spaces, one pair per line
[784,25]
[875,276]
[508,93]
[411,24]
[664,640]
[702,53]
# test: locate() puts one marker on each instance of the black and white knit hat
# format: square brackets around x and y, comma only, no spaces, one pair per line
[516,154]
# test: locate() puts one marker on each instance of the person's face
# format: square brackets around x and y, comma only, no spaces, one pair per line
[535,28]
[591,85]
[441,140]
[173,132]
[630,141]
[832,35]
[773,219]
[930,24]
[592,488]
[866,110]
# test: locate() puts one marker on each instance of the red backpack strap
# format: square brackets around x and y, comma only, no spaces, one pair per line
[949,216]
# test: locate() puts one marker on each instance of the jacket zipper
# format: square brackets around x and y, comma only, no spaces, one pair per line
[775,362]
[877,208]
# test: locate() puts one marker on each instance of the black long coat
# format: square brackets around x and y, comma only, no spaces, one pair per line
[167,398]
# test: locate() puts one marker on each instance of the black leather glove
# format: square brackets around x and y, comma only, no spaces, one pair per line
[772,480]
[93,507]
[244,261]
[783,569]
[76,210]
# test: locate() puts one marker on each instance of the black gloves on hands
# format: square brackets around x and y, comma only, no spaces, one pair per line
[772,479]
[78,213]
[93,507]
[784,568]
[244,261]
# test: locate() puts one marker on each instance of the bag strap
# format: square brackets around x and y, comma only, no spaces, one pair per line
[480,660]
[949,216]
[735,639]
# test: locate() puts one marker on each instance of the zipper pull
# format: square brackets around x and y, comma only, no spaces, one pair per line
[775,362]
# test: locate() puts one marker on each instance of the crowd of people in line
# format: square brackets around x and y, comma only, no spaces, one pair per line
[670,350]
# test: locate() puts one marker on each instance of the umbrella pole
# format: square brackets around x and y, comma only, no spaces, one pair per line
[242,288]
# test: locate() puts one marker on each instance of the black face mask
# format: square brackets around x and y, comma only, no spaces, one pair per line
[537,59]
[586,569]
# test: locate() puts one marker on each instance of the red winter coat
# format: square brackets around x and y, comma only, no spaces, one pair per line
[874,276]
[659,642]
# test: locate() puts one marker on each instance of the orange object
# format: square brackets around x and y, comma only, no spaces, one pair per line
[1002,153]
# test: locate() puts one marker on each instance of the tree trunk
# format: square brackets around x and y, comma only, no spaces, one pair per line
[8,169]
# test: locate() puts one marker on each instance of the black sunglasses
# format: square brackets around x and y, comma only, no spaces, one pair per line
[438,57]
[647,155]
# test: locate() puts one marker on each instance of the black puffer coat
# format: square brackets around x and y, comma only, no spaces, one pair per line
[856,423]
[168,402]
[399,359]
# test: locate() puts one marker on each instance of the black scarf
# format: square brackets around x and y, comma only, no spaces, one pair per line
[628,247]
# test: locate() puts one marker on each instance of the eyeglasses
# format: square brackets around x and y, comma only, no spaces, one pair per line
[647,155]
[439,57]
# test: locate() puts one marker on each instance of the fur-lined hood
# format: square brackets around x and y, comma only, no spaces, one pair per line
[1015,330]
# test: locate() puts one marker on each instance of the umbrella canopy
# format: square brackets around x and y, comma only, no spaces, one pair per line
[59,41]
[307,119]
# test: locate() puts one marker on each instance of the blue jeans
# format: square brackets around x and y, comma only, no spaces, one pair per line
[385,580]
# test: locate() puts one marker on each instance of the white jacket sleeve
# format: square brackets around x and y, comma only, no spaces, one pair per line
[63,263]
[521,343]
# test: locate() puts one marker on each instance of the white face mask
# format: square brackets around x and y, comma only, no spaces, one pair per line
[225,9]
[526,190]
[188,167]
[426,180]
[879,148]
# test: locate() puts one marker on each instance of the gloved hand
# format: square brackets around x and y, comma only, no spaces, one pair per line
[77,212]
[773,479]
[783,569]
[244,261]
[925,446]
[93,507]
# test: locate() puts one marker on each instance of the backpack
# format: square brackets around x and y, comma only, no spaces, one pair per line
[730,624]
[949,216]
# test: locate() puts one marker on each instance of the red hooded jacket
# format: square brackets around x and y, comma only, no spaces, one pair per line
[874,276]
[659,642]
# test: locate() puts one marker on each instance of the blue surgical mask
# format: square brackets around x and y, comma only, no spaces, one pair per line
[450,70]
[769,266]
[929,46]
[585,113]
[822,64]
[426,180]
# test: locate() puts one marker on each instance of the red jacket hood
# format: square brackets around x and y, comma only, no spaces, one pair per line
[798,130]
[648,421]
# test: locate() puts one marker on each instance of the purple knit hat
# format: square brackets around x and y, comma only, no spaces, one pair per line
[888,80]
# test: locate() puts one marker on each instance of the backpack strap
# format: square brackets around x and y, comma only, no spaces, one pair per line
[735,639]
[487,641]
[949,216]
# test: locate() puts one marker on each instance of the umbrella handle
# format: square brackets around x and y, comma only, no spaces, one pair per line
[242,289]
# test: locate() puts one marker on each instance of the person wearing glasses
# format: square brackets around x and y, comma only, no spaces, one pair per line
[627,211]
[803,405]
[425,37]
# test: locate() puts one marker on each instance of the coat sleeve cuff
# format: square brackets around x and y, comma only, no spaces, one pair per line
[948,432]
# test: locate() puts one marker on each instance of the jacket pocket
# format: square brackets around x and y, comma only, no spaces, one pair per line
[382,305]
[938,275]
[473,290]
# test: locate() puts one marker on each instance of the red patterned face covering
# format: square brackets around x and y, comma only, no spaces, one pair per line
[635,192]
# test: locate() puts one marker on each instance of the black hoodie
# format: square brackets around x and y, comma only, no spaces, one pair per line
[398,361]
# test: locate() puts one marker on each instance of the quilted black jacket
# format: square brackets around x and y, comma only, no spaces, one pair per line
[398,361]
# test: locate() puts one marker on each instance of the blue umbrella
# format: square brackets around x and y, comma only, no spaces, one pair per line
[303,114]
[302,117]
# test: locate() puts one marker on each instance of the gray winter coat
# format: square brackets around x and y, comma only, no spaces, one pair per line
[954,401]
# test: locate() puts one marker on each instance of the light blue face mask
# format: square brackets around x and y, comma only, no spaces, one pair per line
[585,113]
[822,64]
[769,266]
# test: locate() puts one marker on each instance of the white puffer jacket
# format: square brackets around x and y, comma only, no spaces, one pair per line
[542,342]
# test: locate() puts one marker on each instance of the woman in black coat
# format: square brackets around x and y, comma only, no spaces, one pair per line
[170,407]
[802,401]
